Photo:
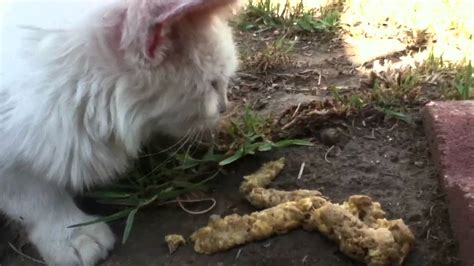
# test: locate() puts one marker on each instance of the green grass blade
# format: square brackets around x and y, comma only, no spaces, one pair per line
[105,219]
[129,225]
[265,146]
[121,202]
[292,142]
[108,195]
[239,154]
[398,115]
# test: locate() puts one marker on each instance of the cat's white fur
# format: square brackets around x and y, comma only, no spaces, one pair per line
[81,93]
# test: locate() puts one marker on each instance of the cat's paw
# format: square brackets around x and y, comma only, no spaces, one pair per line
[80,246]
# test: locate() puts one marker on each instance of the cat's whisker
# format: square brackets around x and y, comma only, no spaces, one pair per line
[196,141]
[173,154]
[186,154]
[178,142]
[198,138]
[192,135]
[192,142]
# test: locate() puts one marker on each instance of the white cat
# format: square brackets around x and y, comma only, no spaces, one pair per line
[85,88]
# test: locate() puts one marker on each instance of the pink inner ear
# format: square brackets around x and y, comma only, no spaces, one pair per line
[145,19]
[154,40]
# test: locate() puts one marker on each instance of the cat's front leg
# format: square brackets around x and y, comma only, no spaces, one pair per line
[47,211]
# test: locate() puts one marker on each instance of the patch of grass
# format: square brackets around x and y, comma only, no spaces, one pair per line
[153,180]
[455,80]
[327,22]
[253,134]
[464,83]
[161,177]
[242,137]
[275,54]
[292,17]
[401,90]
[394,91]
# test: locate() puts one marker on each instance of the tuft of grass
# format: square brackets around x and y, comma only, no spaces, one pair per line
[395,91]
[327,22]
[275,54]
[454,79]
[244,137]
[251,135]
[261,13]
[153,180]
[464,83]
[160,177]
[292,17]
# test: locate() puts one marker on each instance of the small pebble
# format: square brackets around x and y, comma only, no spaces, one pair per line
[392,156]
[419,163]
[330,136]
[174,241]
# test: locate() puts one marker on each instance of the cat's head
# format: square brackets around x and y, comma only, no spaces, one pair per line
[177,56]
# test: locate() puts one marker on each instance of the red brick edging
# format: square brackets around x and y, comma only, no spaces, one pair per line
[450,130]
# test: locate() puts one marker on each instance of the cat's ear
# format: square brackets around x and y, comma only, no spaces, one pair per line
[145,22]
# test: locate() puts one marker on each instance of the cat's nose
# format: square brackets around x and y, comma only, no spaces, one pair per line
[222,108]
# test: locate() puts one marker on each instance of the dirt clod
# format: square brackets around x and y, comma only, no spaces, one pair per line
[330,136]
[174,241]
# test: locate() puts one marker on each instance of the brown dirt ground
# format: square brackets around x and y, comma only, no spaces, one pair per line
[386,160]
